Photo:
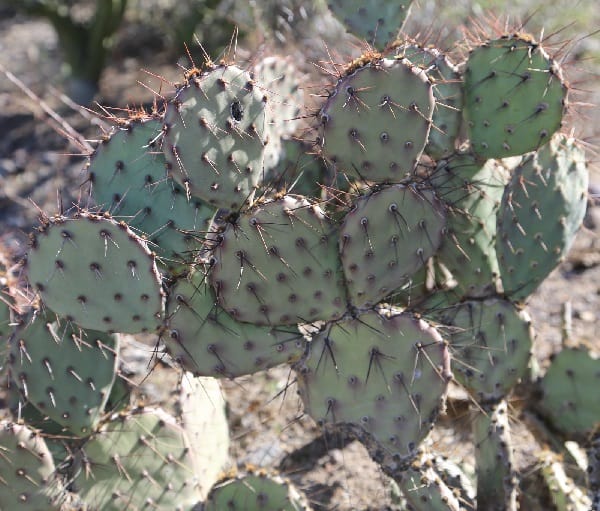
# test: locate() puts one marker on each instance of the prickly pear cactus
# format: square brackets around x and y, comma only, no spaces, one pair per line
[255,490]
[137,459]
[377,21]
[215,136]
[96,273]
[27,471]
[64,371]
[383,375]
[375,123]
[515,97]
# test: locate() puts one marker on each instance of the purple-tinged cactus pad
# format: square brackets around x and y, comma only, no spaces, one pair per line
[207,341]
[375,124]
[386,238]
[96,273]
[279,265]
[383,375]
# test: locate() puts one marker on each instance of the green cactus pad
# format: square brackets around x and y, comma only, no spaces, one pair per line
[448,94]
[567,398]
[279,265]
[375,123]
[136,461]
[201,411]
[27,472]
[496,476]
[473,192]
[386,238]
[216,134]
[383,376]
[128,178]
[542,209]
[64,371]
[206,341]
[565,494]
[377,21]
[514,97]
[96,273]
[491,342]
[255,491]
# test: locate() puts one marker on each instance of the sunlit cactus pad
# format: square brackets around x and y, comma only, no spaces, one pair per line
[138,460]
[96,273]
[27,471]
[542,209]
[216,134]
[255,491]
[382,374]
[386,237]
[64,371]
[129,179]
[376,21]
[207,341]
[278,264]
[514,97]
[375,124]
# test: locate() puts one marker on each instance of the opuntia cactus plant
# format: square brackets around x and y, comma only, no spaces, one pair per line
[457,197]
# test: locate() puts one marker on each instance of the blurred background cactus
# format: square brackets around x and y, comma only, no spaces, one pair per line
[374,234]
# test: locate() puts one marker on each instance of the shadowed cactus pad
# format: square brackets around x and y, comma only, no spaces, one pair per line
[375,123]
[255,491]
[27,471]
[64,371]
[514,97]
[491,342]
[566,397]
[205,340]
[138,460]
[128,178]
[278,264]
[215,138]
[386,238]
[382,375]
[97,273]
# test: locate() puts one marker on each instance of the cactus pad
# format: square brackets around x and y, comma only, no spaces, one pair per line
[206,341]
[27,481]
[514,97]
[382,375]
[473,193]
[542,209]
[492,342]
[375,123]
[567,398]
[386,238]
[128,178]
[216,135]
[377,21]
[64,371]
[96,273]
[279,265]
[138,460]
[255,491]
